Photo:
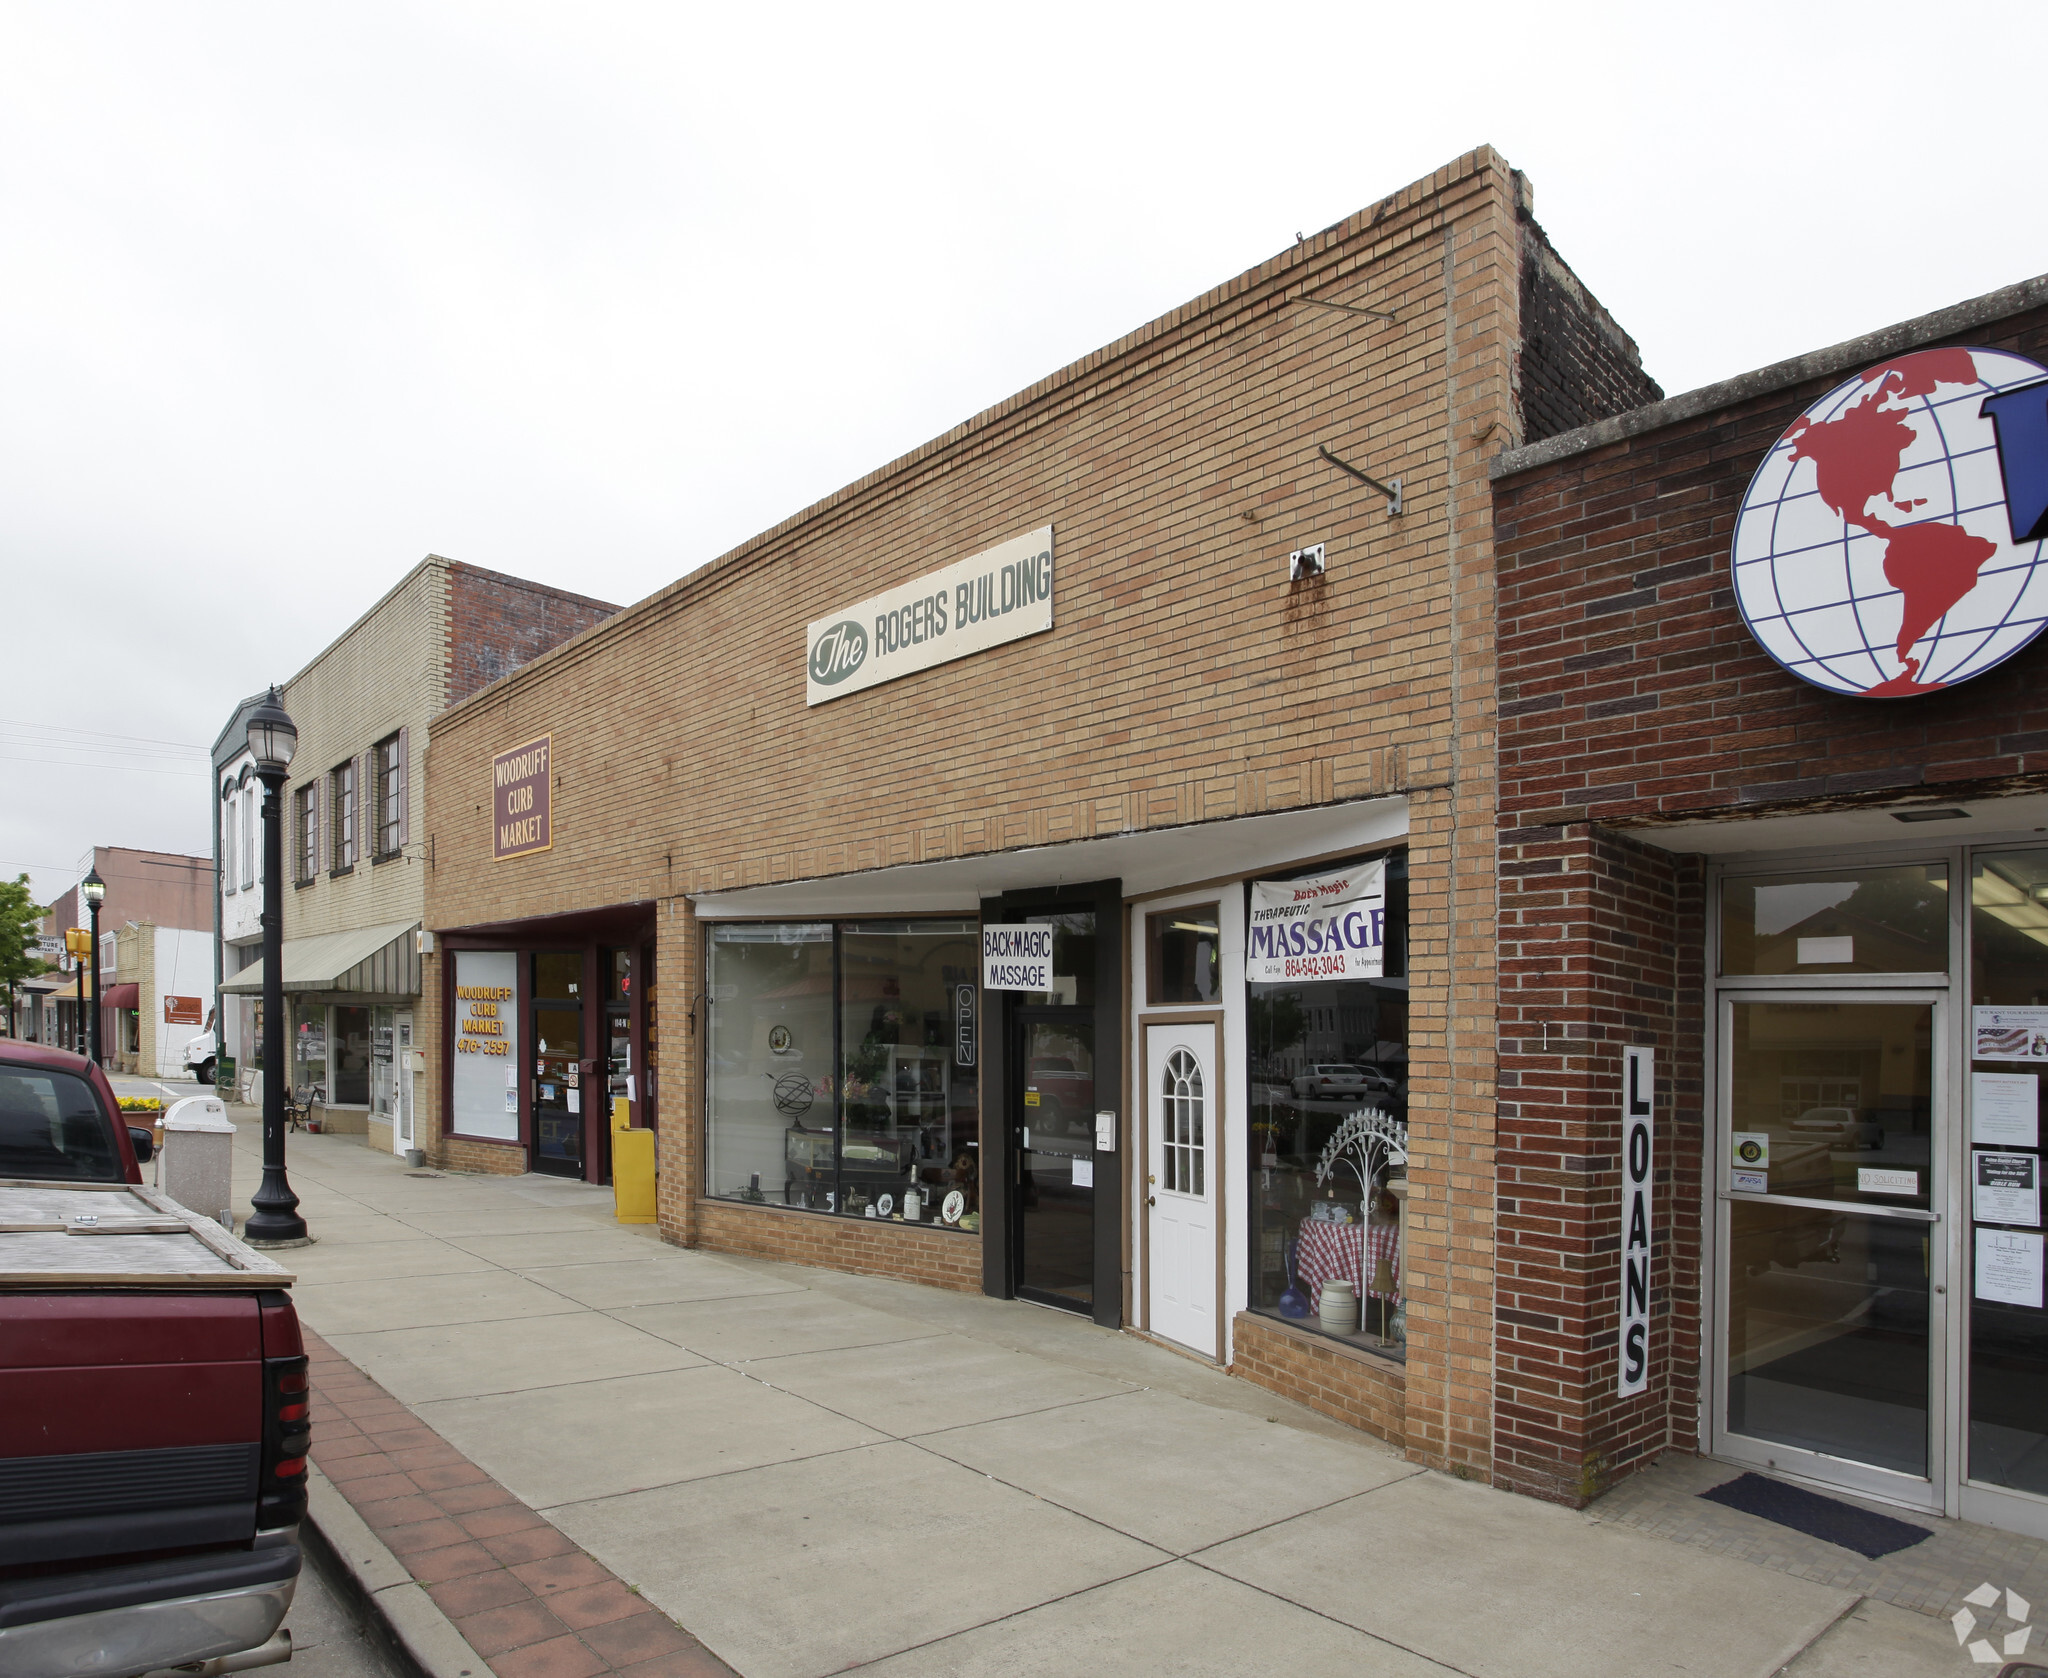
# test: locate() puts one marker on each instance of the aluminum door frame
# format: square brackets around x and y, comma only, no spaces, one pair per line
[1940,1494]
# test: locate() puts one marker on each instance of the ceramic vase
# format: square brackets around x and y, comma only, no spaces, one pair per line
[1337,1309]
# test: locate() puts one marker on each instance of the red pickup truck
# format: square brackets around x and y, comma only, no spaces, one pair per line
[154,1414]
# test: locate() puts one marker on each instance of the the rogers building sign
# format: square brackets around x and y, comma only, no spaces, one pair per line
[1890,543]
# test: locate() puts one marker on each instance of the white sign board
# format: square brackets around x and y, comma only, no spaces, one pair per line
[1001,595]
[486,1058]
[1016,958]
[1638,1117]
[2009,1267]
[2009,1034]
[1329,926]
[2005,1107]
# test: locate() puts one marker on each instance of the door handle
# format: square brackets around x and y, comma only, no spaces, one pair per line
[1151,1200]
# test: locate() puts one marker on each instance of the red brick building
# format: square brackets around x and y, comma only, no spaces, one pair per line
[1773,805]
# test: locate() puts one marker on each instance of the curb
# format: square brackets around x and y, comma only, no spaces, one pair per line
[409,1617]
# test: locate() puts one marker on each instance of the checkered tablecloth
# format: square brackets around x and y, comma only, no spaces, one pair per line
[1343,1252]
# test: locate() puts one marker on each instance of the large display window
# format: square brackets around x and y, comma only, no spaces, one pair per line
[841,1079]
[2008,1027]
[1328,1066]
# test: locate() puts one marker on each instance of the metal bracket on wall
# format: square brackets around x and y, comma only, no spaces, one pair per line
[1390,489]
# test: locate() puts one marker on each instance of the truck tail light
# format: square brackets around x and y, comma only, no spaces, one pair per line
[287,1417]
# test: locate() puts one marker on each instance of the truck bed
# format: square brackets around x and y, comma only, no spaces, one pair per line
[119,1235]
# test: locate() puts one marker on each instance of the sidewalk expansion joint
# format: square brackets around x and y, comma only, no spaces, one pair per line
[467,1579]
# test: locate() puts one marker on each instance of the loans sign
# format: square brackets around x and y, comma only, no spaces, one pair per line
[520,782]
[997,596]
[1638,1117]
[1329,926]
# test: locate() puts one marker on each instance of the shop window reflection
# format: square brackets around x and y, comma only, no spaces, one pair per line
[2008,1360]
[1329,1105]
[1182,955]
[1844,920]
[841,1079]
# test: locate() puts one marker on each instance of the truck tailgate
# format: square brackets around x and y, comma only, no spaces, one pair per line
[128,1422]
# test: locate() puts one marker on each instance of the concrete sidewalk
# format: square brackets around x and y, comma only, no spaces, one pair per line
[814,1472]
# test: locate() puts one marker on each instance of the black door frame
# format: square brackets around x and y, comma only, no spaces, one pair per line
[1000,1163]
[1021,1018]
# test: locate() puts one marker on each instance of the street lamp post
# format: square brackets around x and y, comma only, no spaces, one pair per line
[272,740]
[94,890]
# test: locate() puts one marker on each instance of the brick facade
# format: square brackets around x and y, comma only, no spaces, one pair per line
[497,623]
[1186,681]
[1329,1377]
[1632,696]
[1577,364]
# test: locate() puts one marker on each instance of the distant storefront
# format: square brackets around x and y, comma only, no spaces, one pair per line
[1060,864]
[355,860]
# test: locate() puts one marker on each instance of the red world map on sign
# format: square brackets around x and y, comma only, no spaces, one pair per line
[1856,457]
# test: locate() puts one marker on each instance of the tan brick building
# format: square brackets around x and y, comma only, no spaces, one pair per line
[355,861]
[915,869]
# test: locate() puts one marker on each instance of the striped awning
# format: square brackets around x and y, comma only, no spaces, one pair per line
[373,960]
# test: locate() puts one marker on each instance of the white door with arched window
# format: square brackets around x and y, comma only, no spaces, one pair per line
[1183,1170]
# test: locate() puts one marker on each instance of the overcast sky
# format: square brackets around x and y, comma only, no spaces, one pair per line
[291,296]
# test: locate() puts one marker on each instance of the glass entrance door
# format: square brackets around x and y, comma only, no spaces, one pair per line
[558,1092]
[1829,1179]
[1052,1116]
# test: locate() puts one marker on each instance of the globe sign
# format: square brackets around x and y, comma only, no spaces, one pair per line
[1891,542]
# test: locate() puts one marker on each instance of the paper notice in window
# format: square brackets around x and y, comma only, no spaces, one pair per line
[2009,1034]
[1084,1174]
[575,1096]
[2009,1267]
[2005,1109]
[2005,1188]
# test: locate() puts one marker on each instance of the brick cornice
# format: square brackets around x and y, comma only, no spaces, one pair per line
[1987,310]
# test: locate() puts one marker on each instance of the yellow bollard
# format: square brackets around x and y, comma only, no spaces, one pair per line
[632,1166]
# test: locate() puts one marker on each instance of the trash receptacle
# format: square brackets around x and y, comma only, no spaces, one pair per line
[197,1164]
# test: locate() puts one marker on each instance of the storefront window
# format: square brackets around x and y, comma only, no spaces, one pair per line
[1329,1126]
[1073,959]
[1842,920]
[350,1069]
[616,969]
[309,1046]
[2008,1029]
[839,1078]
[1182,961]
[558,976]
[382,1084]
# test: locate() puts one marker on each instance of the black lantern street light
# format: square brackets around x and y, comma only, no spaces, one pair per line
[94,890]
[272,740]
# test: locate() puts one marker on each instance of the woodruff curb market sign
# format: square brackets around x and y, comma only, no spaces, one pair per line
[1001,595]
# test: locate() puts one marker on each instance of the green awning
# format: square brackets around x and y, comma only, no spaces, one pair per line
[379,960]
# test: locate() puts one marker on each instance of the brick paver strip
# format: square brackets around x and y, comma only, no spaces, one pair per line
[529,1601]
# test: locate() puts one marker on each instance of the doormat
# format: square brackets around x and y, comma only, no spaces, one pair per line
[1826,1518]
